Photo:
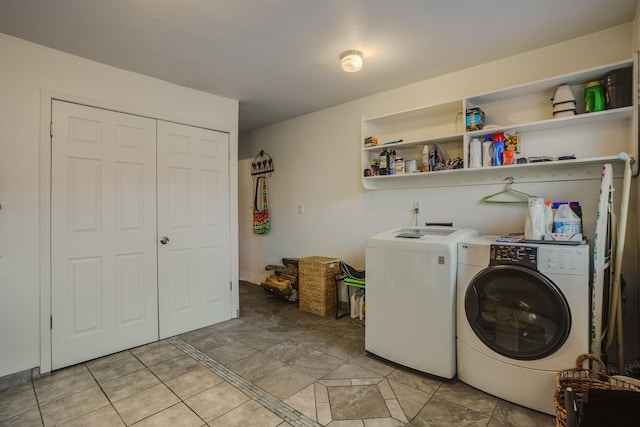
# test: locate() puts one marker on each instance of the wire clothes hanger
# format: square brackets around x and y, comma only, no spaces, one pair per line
[523,197]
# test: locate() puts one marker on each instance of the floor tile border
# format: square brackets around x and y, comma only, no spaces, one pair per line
[284,411]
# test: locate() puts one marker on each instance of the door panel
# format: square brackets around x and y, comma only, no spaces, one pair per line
[103,233]
[193,212]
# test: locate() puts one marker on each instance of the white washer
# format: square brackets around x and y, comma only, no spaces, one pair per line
[523,315]
[410,297]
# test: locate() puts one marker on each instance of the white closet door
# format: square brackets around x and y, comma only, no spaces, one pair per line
[193,222]
[103,233]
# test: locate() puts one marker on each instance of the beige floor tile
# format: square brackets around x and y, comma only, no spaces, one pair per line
[160,352]
[30,418]
[73,406]
[116,368]
[324,413]
[284,382]
[357,402]
[467,396]
[346,423]
[174,367]
[366,381]
[127,385]
[350,371]
[103,417]
[383,422]
[508,414]
[416,381]
[438,412]
[216,401]
[107,360]
[193,382]
[251,414]
[385,390]
[304,401]
[395,410]
[15,402]
[178,415]
[322,396]
[255,366]
[63,383]
[335,383]
[411,400]
[145,403]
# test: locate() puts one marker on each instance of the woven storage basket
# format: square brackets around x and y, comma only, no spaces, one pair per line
[581,380]
[316,284]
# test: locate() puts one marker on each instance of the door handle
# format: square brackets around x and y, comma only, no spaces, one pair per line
[164,240]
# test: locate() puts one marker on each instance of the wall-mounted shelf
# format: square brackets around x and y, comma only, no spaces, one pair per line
[560,170]
[593,138]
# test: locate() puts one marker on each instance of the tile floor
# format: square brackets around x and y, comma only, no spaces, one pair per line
[273,366]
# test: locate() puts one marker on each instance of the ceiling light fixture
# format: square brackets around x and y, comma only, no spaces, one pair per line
[351,60]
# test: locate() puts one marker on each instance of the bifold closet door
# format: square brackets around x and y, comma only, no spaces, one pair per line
[103,233]
[194,277]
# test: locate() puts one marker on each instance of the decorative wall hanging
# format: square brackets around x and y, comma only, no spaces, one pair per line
[262,164]
[261,223]
[261,168]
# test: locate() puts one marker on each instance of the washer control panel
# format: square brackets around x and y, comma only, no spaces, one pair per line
[514,254]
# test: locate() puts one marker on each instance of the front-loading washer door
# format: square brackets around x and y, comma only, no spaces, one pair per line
[517,312]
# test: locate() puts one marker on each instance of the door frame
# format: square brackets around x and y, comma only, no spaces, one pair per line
[46,98]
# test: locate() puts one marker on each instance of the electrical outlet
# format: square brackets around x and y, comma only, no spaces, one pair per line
[300,209]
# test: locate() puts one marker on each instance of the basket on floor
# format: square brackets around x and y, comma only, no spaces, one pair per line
[316,284]
[581,380]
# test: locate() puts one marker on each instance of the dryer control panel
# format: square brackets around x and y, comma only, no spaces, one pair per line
[514,254]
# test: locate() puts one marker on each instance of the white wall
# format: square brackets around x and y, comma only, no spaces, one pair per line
[27,70]
[318,165]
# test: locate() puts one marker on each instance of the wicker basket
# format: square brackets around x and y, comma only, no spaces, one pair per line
[581,380]
[317,285]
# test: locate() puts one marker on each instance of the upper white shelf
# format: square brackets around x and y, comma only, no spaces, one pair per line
[547,85]
[560,122]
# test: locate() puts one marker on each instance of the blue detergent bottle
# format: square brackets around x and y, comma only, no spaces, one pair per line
[498,149]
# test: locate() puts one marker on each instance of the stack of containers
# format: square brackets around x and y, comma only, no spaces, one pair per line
[564,102]
[618,85]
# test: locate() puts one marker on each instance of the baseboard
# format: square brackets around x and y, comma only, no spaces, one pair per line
[18,378]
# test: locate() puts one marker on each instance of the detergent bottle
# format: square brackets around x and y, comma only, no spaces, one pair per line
[567,221]
[534,228]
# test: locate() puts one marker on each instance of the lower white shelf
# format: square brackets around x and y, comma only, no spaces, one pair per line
[558,170]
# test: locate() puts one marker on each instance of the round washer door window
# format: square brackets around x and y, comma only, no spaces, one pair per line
[517,312]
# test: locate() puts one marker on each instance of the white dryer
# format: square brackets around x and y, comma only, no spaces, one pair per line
[410,297]
[522,316]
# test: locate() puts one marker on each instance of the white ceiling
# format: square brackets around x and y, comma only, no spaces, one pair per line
[280,58]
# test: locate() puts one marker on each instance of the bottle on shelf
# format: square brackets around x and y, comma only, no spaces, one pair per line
[508,157]
[383,164]
[475,153]
[498,149]
[548,217]
[392,162]
[426,160]
[487,149]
